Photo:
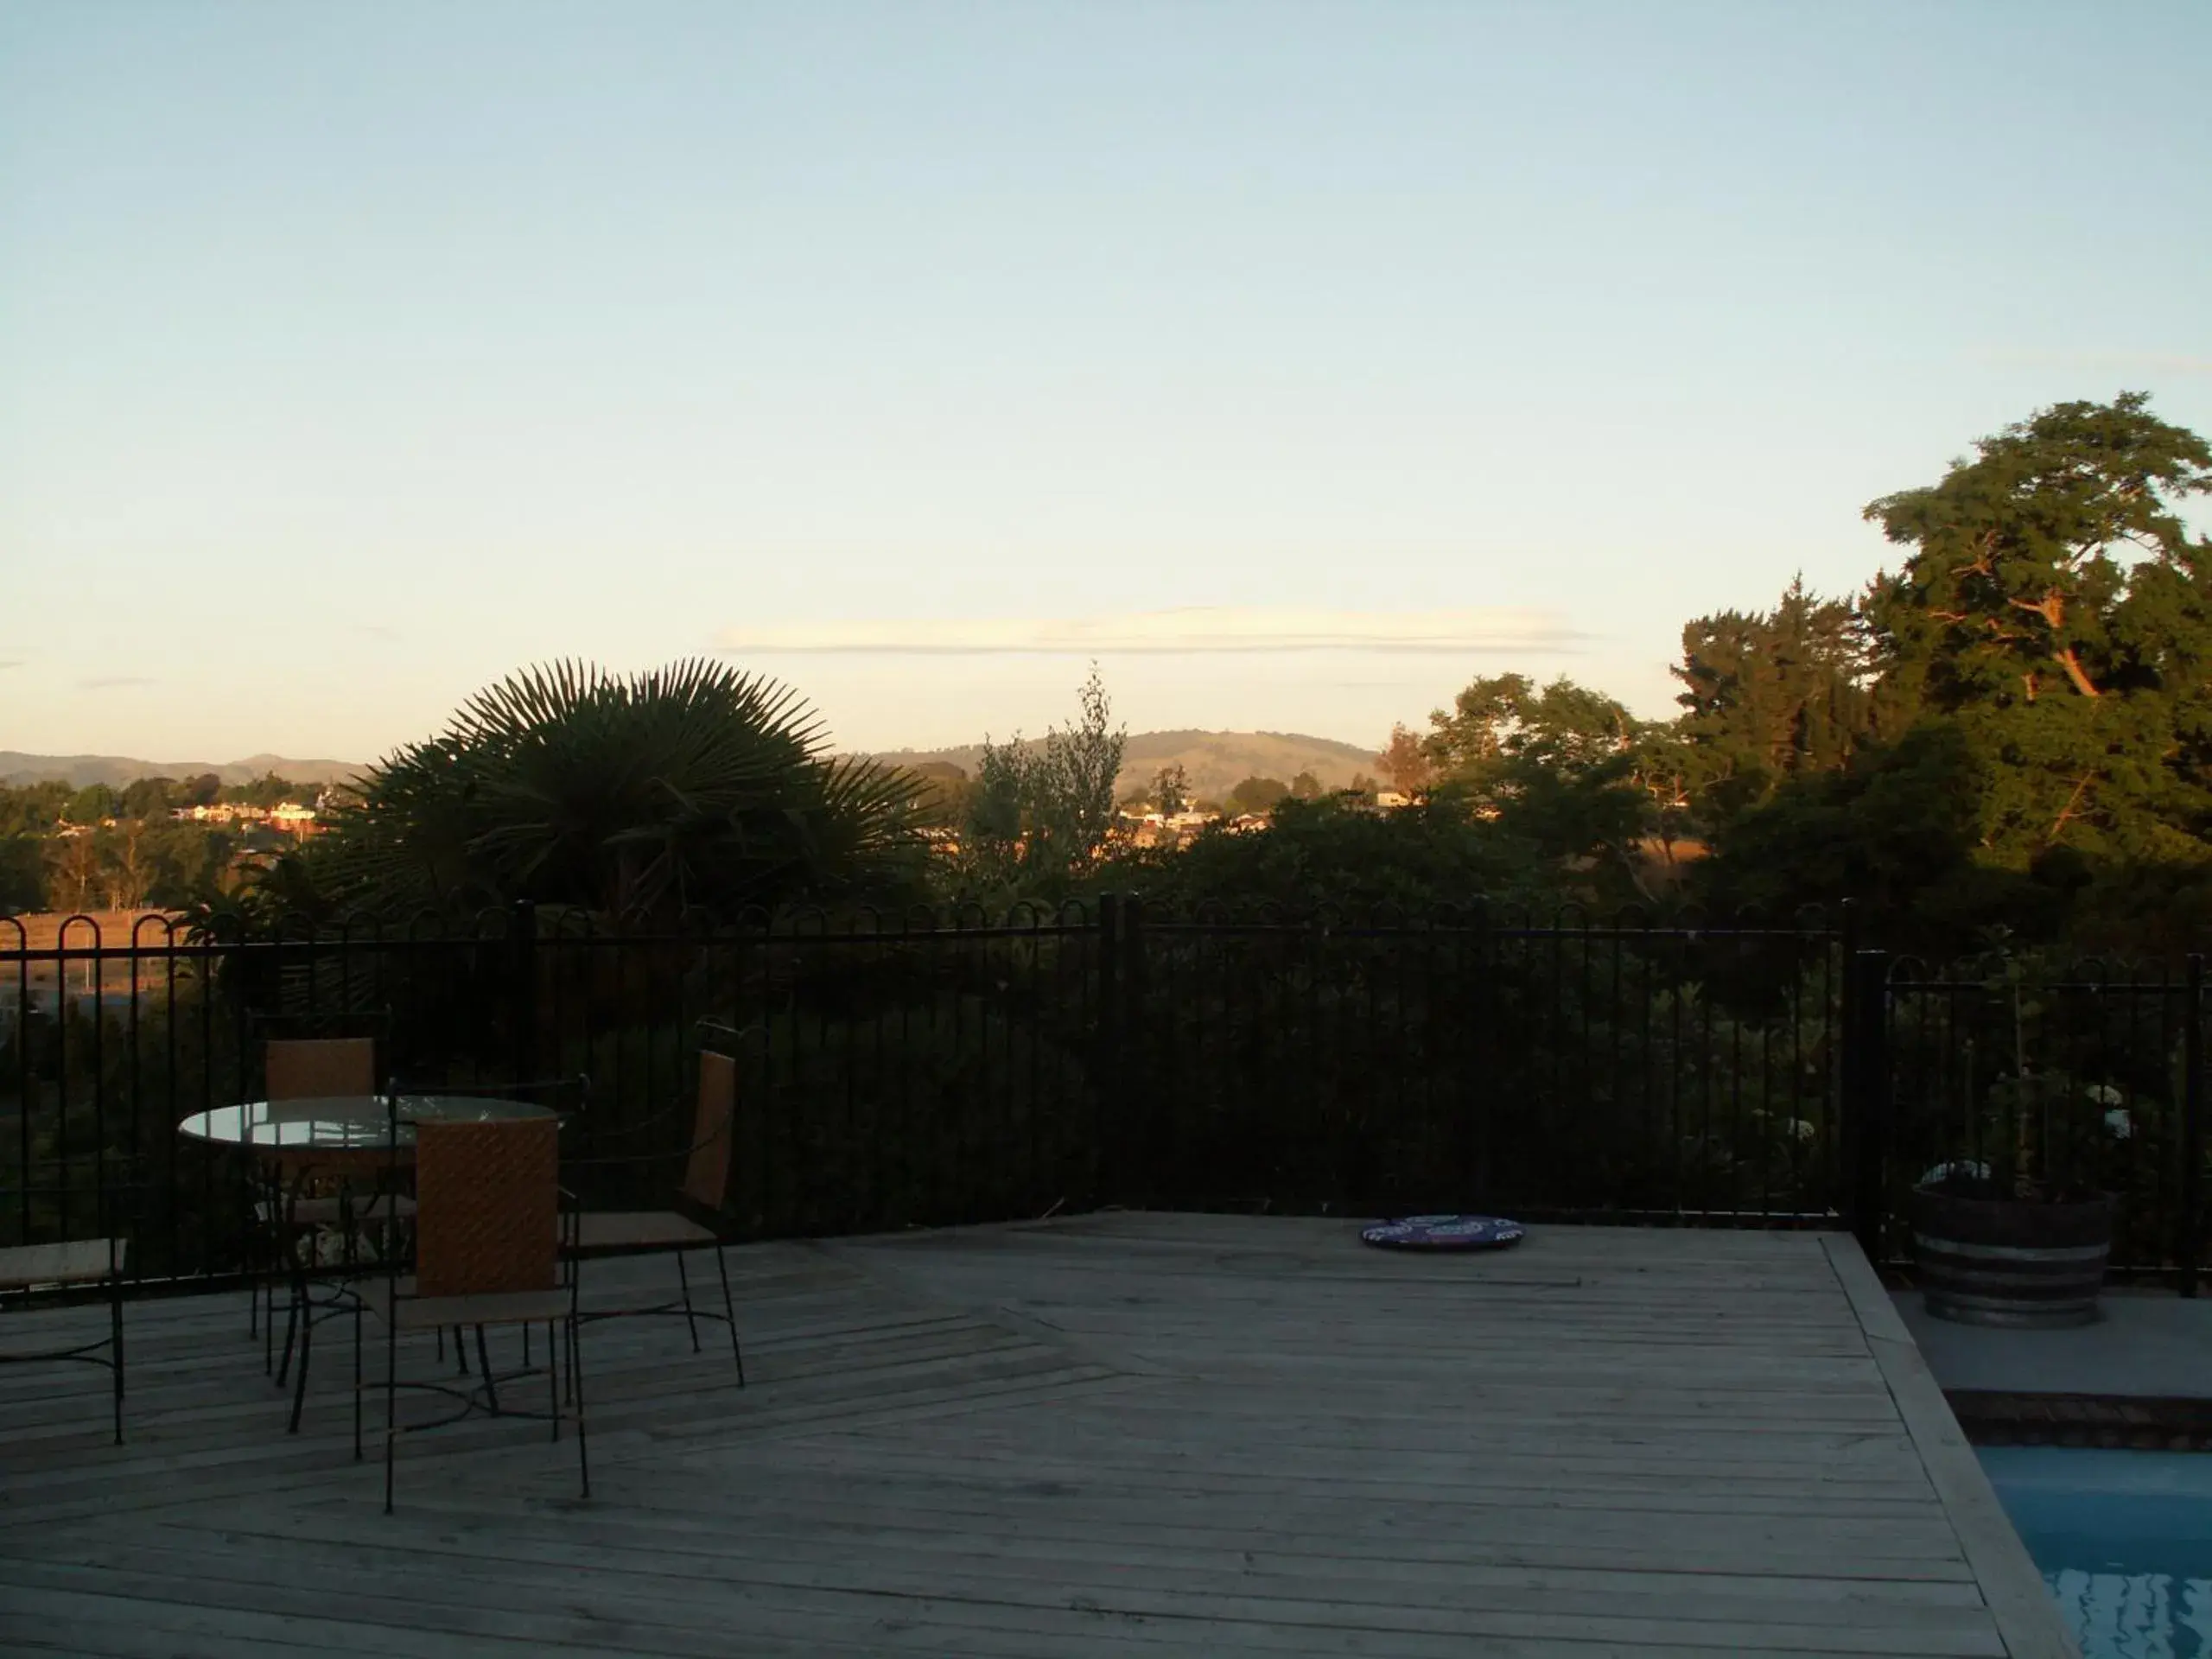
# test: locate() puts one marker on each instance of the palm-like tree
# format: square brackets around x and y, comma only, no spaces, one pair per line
[692,787]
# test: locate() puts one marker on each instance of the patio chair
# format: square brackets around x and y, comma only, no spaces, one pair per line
[32,1276]
[303,1069]
[490,1220]
[293,1221]
[564,1097]
[693,1219]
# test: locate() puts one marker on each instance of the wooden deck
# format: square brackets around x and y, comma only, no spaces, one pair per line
[1127,1435]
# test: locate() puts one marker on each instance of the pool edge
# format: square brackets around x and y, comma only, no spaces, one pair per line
[2026,1614]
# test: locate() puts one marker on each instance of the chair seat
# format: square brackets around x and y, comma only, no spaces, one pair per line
[330,1212]
[440,1312]
[639,1229]
[79,1261]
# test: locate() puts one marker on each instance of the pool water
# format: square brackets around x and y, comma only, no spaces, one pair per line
[2124,1538]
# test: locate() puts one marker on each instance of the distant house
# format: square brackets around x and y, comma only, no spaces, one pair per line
[1151,828]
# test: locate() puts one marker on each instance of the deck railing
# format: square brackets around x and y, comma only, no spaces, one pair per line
[930,1068]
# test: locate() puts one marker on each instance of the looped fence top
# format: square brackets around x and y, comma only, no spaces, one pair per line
[1444,1233]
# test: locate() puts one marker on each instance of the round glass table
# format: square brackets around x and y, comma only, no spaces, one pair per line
[314,1129]
[321,1141]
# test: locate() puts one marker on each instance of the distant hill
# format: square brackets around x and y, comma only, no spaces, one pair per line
[1216,762]
[114,771]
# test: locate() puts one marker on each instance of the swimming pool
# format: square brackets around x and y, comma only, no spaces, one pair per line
[2124,1538]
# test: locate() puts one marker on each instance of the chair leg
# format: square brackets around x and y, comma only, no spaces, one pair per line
[390,1397]
[484,1362]
[256,1264]
[576,1382]
[357,1376]
[729,1313]
[115,1352]
[299,1377]
[291,1326]
[690,1317]
[552,1375]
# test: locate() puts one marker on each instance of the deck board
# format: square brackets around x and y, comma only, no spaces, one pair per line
[1123,1434]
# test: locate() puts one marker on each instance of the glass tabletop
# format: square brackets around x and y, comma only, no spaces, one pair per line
[346,1122]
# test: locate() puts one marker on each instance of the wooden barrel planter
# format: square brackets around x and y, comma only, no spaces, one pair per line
[2029,1263]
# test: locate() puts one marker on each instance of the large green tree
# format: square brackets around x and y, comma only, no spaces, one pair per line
[1559,769]
[2057,609]
[1503,725]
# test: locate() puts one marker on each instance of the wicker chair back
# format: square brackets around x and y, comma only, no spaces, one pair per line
[706,1175]
[316,1068]
[488,1207]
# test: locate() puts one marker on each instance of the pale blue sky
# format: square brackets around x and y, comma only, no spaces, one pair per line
[352,355]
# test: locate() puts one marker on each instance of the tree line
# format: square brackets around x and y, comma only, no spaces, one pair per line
[2008,734]
[69,847]
[2005,738]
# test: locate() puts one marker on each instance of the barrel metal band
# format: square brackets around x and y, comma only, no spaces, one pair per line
[2013,1252]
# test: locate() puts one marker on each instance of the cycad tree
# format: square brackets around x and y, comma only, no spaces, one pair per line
[689,788]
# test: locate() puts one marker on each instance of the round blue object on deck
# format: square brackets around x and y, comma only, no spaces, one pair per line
[1444,1233]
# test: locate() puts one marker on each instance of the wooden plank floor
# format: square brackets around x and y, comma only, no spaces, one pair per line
[1130,1435]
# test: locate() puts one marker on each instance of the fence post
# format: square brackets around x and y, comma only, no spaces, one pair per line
[1142,1108]
[1108,1091]
[1478,1065]
[1866,1083]
[522,989]
[2192,1131]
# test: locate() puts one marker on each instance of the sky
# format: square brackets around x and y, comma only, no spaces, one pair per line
[1297,362]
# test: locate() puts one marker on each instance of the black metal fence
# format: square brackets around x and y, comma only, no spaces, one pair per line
[927,1069]
[2082,1077]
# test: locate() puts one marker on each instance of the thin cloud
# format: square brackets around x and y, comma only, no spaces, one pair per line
[1192,632]
[11,661]
[112,682]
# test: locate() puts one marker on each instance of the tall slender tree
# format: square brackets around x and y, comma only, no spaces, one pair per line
[1040,812]
[1768,695]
